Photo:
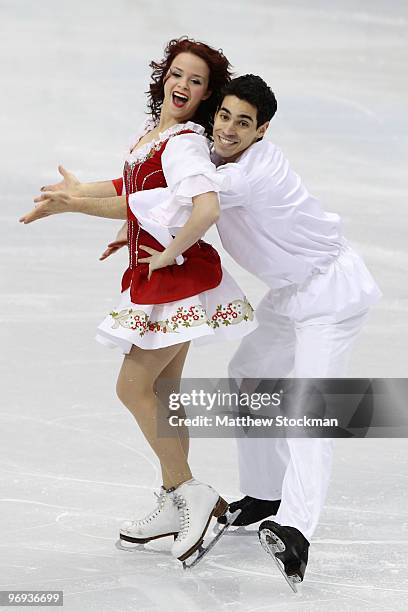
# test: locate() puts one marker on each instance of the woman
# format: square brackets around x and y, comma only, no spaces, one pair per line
[165,305]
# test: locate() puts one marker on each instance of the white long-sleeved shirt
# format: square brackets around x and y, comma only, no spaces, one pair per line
[269,222]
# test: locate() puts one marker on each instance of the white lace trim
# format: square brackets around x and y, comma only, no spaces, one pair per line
[150,124]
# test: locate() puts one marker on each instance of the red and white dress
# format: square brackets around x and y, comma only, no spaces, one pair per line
[195,298]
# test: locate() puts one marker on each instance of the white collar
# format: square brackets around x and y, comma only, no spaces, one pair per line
[148,125]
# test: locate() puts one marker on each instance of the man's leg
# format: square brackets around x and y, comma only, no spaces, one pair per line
[266,353]
[322,351]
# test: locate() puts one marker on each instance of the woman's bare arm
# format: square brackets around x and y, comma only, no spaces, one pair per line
[56,202]
[70,184]
[205,213]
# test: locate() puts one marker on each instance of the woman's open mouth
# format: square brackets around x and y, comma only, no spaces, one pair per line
[179,100]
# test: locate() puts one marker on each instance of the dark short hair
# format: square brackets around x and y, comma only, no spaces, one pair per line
[256,92]
[220,74]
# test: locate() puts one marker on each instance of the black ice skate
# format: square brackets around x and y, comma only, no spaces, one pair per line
[252,510]
[288,548]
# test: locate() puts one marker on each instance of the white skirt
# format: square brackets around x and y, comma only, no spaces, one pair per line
[222,313]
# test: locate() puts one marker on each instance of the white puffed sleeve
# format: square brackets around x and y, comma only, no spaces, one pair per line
[189,172]
[152,202]
[141,202]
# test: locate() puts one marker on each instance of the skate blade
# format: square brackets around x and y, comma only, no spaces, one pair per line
[133,547]
[203,550]
[235,531]
[129,546]
[272,547]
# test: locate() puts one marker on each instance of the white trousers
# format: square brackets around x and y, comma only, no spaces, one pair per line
[295,470]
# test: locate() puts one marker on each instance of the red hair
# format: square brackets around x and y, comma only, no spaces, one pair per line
[220,75]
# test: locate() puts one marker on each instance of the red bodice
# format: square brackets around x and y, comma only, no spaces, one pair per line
[201,269]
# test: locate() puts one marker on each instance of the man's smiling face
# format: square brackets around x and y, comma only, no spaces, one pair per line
[235,128]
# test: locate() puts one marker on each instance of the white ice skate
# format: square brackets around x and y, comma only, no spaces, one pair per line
[162,522]
[197,503]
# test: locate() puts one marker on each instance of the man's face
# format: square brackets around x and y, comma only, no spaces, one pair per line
[235,128]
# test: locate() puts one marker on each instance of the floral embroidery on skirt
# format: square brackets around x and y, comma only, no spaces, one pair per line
[231,313]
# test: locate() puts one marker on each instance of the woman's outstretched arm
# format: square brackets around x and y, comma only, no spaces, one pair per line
[56,202]
[70,184]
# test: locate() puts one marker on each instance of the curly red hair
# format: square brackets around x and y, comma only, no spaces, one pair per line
[220,75]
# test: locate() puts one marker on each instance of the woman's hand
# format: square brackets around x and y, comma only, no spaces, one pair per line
[157,259]
[49,203]
[120,241]
[69,184]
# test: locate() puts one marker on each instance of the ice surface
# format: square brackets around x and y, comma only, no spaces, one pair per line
[72,463]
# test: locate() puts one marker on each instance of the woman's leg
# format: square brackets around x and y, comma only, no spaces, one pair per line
[135,388]
[169,382]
